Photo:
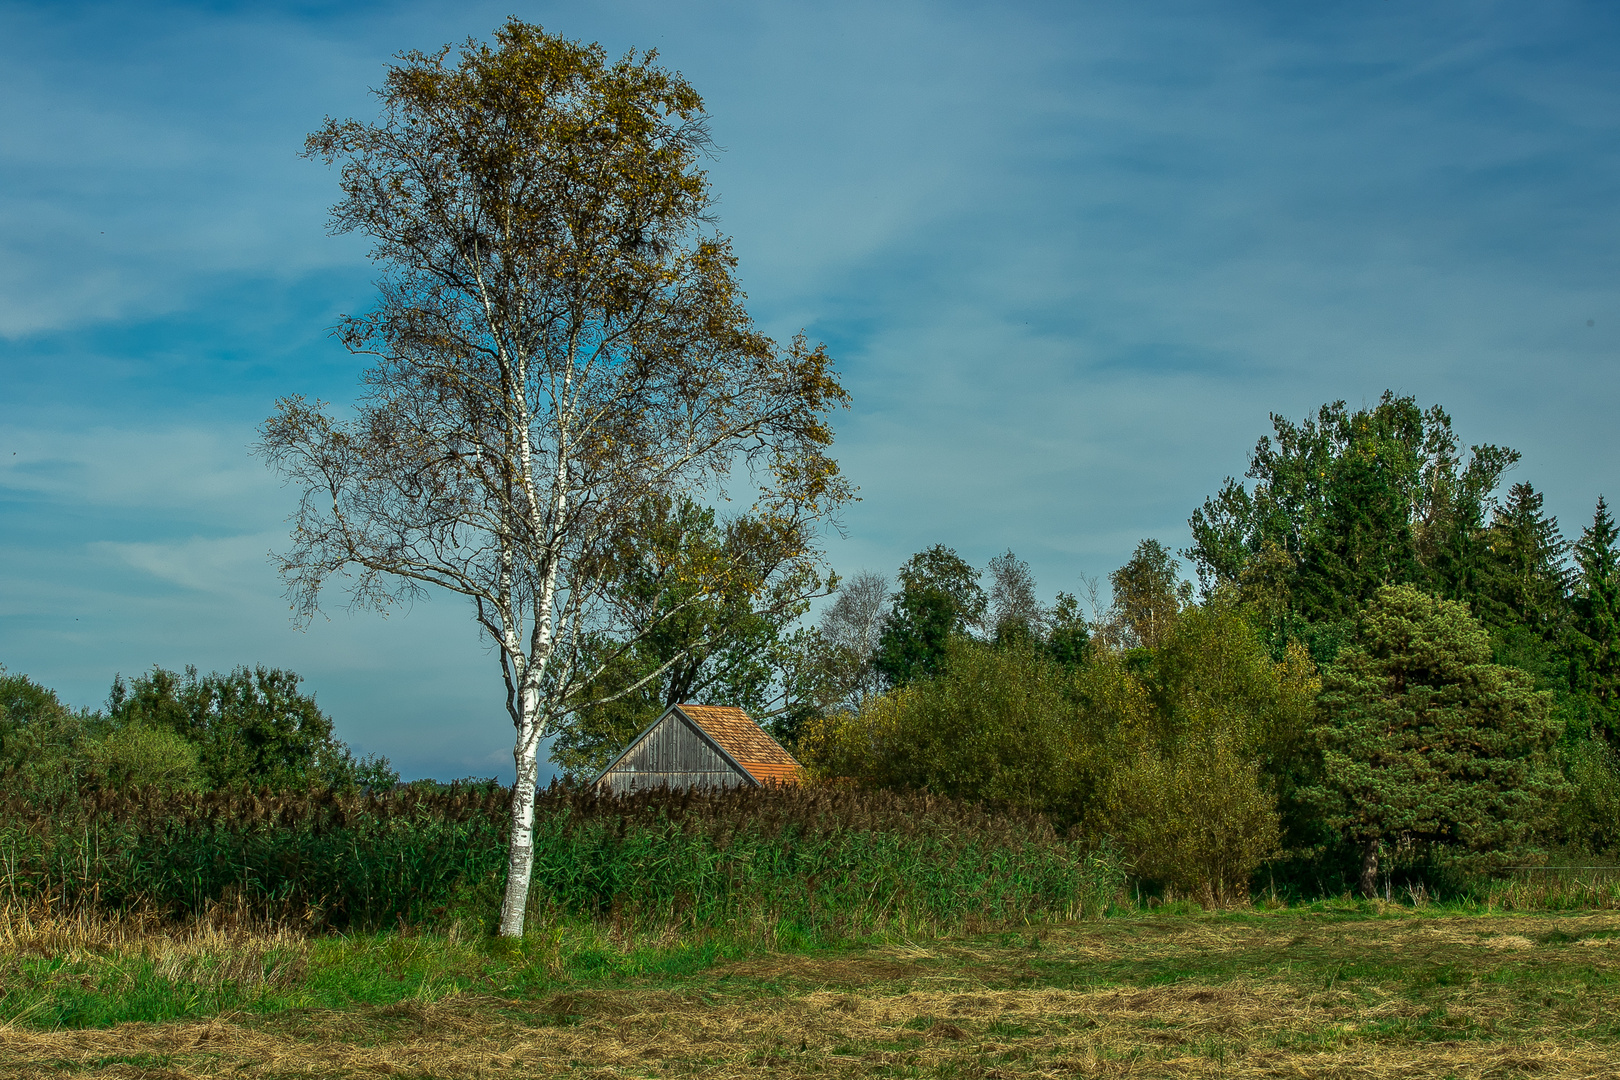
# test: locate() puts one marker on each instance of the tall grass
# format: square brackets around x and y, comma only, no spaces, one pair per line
[793,864]
[1554,888]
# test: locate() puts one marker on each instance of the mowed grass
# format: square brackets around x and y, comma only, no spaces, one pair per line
[1346,989]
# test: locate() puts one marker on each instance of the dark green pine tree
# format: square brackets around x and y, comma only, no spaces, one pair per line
[1594,644]
[1424,739]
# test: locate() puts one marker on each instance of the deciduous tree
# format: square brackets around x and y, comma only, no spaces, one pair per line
[1068,635]
[1209,775]
[1148,594]
[252,727]
[558,340]
[690,644]
[1014,611]
[847,640]
[939,598]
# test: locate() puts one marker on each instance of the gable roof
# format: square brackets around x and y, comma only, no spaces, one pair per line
[744,741]
[734,734]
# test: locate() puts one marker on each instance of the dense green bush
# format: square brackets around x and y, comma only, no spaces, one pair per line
[1208,789]
[1179,753]
[40,738]
[998,724]
[251,728]
[141,755]
[1198,821]
[1591,814]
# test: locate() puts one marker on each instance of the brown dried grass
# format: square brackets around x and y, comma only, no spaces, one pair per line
[222,949]
[970,1009]
[1163,1032]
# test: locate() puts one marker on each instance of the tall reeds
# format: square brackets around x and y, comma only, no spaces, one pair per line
[811,863]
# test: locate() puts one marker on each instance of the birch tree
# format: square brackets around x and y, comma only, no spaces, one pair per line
[835,659]
[558,339]
[1013,607]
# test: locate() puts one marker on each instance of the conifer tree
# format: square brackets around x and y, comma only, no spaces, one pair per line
[1595,630]
[1522,591]
[1423,738]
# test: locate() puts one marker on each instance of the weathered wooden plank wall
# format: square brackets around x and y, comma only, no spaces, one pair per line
[672,755]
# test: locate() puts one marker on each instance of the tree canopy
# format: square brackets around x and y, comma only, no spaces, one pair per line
[1346,503]
[699,644]
[939,598]
[250,728]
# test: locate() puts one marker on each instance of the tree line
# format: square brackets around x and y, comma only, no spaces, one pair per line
[1384,664]
[250,729]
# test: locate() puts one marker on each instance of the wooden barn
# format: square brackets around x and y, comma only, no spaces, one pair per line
[693,746]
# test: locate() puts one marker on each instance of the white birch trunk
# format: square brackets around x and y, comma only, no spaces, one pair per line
[520,849]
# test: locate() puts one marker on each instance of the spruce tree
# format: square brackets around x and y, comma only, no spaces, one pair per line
[1595,624]
[1523,587]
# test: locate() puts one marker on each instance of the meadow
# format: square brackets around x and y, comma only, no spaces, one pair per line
[1334,988]
[821,931]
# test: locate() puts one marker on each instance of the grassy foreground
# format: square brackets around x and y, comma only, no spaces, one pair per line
[1346,989]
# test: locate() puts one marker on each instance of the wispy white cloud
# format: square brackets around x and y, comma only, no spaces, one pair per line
[169,470]
[230,567]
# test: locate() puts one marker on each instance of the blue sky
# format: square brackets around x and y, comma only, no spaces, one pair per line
[1069,257]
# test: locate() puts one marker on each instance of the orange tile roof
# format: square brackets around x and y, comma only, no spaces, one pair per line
[745,741]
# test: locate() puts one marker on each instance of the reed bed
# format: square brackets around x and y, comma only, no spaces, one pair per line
[792,864]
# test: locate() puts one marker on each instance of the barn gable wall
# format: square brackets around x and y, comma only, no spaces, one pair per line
[672,755]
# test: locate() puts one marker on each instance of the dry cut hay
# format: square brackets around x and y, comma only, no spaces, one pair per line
[1182,1031]
[948,1009]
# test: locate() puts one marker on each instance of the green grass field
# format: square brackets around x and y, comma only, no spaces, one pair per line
[1330,989]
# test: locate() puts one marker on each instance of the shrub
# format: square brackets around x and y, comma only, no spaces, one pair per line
[1199,821]
[1591,815]
[42,742]
[1006,725]
[139,755]
[251,727]
[1180,752]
